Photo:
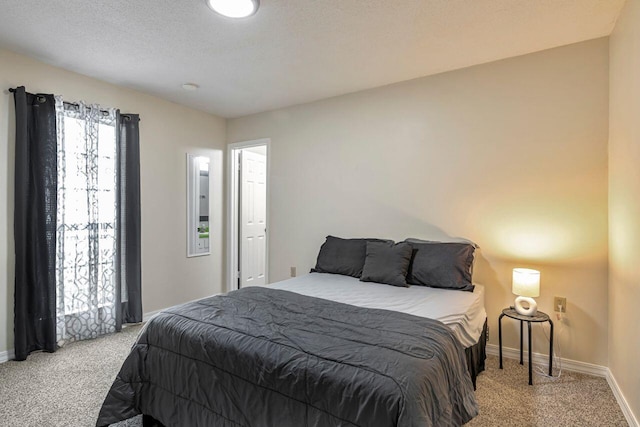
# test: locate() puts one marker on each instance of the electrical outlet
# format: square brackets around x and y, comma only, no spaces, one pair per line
[560,301]
[293,272]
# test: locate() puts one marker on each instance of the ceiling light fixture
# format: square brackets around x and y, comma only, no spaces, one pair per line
[190,86]
[234,8]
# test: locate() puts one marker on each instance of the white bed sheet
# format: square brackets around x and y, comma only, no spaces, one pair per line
[461,311]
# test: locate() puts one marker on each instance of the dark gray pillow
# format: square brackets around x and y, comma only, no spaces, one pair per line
[441,265]
[343,256]
[457,240]
[387,263]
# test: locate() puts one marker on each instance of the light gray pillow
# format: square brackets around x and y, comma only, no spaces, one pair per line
[387,263]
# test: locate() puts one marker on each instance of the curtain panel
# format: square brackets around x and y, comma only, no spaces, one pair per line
[130,271]
[35,215]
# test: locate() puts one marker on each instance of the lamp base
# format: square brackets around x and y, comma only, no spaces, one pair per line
[529,310]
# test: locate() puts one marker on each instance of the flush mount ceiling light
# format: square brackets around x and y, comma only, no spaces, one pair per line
[234,8]
[190,86]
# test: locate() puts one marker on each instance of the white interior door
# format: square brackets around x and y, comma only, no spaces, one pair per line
[253,215]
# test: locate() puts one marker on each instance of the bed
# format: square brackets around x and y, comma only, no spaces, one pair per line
[318,350]
[463,312]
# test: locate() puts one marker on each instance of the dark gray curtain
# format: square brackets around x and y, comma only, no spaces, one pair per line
[130,274]
[35,223]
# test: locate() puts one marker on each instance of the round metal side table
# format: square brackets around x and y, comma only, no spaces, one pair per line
[538,317]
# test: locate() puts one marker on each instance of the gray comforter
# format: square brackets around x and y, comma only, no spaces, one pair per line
[265,357]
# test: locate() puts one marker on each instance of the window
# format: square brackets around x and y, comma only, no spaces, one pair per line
[77,221]
[87,221]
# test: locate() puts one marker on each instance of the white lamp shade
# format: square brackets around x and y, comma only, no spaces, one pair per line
[526,282]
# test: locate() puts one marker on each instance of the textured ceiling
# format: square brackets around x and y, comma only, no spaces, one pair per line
[291,51]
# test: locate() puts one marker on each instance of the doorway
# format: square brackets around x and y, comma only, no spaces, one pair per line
[248,173]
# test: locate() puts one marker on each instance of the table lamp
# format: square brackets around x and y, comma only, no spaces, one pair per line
[526,284]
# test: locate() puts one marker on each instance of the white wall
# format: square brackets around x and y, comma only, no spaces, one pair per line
[624,204]
[510,154]
[167,132]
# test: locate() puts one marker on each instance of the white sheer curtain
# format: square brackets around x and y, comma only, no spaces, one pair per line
[86,260]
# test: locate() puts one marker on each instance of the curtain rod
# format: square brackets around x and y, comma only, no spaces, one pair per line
[75,104]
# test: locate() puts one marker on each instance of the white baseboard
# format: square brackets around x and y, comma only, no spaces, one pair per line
[574,366]
[5,356]
[147,316]
[626,410]
[543,359]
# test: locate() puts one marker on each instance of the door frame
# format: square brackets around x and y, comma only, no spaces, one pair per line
[233,243]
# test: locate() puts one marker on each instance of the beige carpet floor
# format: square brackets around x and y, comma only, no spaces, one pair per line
[67,389]
[572,400]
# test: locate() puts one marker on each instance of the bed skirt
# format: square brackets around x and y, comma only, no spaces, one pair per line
[476,355]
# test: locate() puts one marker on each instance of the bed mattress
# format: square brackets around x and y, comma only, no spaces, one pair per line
[463,312]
